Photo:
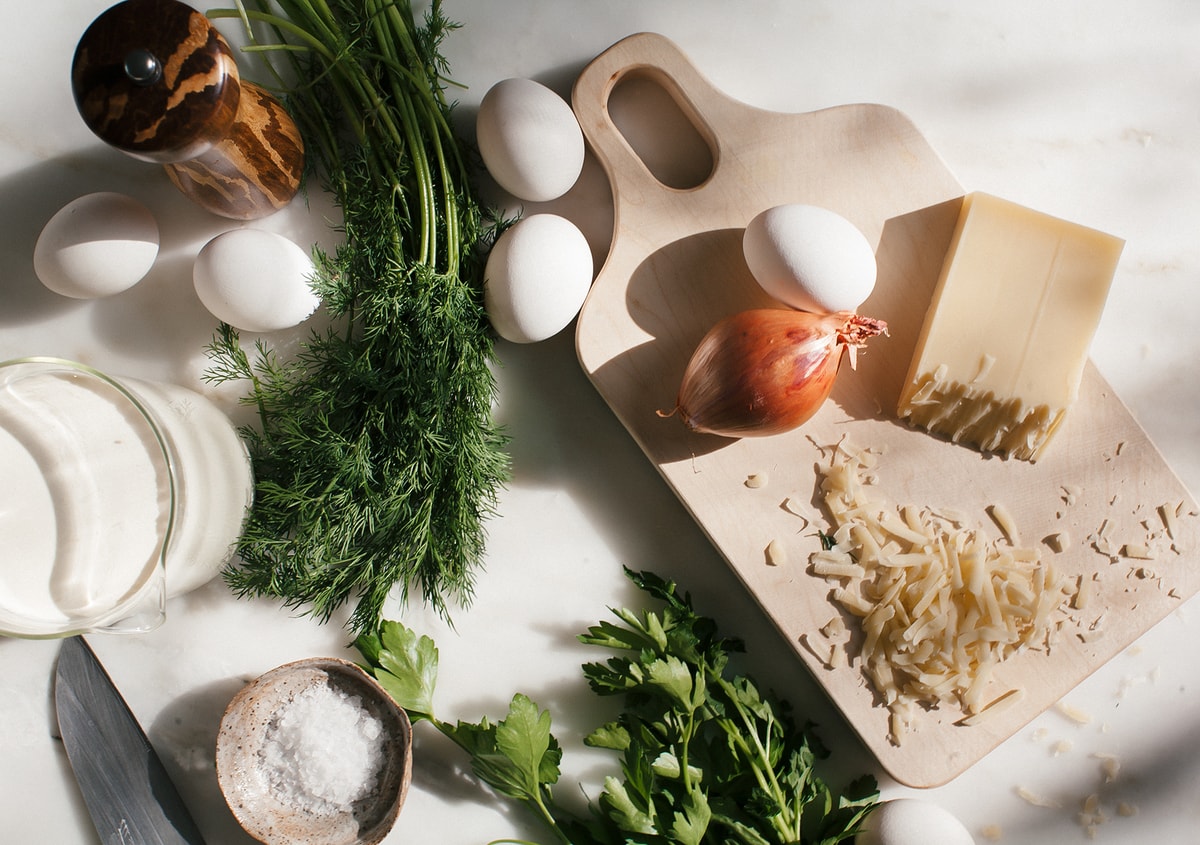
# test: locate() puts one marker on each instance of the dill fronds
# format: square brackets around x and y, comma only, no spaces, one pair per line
[376,457]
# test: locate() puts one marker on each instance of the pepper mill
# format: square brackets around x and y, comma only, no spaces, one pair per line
[155,79]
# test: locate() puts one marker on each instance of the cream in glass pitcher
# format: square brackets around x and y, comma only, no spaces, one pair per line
[115,494]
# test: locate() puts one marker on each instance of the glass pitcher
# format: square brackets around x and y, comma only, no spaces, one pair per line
[115,494]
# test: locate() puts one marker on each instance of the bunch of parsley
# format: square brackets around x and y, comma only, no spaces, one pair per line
[705,757]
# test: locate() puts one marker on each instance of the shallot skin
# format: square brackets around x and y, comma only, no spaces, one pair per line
[767,371]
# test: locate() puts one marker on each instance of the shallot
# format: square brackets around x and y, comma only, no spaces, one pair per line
[768,370]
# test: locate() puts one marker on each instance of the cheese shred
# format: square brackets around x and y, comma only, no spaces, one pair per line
[940,604]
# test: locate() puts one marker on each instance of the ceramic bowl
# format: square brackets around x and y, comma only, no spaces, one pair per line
[245,771]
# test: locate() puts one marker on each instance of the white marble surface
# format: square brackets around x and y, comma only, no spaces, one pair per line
[1087,110]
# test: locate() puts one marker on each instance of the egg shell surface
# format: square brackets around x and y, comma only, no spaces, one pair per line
[255,280]
[97,245]
[912,821]
[529,140]
[810,258]
[537,276]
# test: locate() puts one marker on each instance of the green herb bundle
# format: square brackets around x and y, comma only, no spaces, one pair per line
[376,457]
[705,757]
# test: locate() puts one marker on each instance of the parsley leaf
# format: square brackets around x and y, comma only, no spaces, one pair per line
[405,665]
[517,756]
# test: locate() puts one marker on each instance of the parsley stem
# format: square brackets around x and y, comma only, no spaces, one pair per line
[684,745]
[759,759]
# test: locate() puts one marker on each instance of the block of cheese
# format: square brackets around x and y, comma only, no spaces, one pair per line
[1001,353]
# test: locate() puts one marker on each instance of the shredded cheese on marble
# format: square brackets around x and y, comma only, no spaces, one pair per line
[1073,713]
[1037,800]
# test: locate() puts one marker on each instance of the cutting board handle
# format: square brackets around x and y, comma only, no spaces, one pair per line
[656,58]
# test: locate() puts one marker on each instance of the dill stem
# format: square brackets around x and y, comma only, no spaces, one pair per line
[416,150]
[342,66]
[431,110]
[314,44]
[391,28]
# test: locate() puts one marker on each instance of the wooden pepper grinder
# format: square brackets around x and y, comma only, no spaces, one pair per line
[155,79]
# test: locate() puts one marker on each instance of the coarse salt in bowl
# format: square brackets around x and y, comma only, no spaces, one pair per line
[315,752]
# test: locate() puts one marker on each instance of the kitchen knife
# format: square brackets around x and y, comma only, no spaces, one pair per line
[128,793]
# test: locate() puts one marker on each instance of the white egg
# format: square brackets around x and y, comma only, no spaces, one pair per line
[912,821]
[255,280]
[96,245]
[537,277]
[529,140]
[810,258]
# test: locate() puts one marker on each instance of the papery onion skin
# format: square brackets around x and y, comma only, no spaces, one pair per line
[767,371]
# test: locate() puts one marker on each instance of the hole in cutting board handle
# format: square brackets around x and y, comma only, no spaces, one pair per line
[668,140]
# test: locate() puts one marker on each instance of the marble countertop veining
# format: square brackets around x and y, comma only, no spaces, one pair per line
[1086,110]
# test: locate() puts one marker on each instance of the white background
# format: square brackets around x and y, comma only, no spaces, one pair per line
[1086,110]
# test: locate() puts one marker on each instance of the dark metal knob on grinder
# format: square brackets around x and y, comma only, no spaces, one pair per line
[142,67]
[156,80]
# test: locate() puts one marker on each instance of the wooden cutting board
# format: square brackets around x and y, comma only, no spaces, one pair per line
[675,267]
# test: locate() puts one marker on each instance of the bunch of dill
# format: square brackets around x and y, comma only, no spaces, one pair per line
[376,457]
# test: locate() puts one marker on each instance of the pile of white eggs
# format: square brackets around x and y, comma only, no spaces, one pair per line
[540,269]
[103,243]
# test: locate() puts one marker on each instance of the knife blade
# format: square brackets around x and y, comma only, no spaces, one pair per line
[128,792]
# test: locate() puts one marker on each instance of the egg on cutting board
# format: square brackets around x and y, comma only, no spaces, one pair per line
[529,140]
[810,258]
[97,245]
[255,280]
[536,279]
[912,821]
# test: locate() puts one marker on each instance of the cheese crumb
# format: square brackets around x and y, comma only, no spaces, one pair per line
[1005,523]
[1091,816]
[1167,513]
[1139,551]
[1073,713]
[755,480]
[834,628]
[1038,800]
[1110,766]
[1103,543]
[791,507]
[997,705]
[1058,542]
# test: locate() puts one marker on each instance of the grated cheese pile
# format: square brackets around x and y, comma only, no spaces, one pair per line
[940,604]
